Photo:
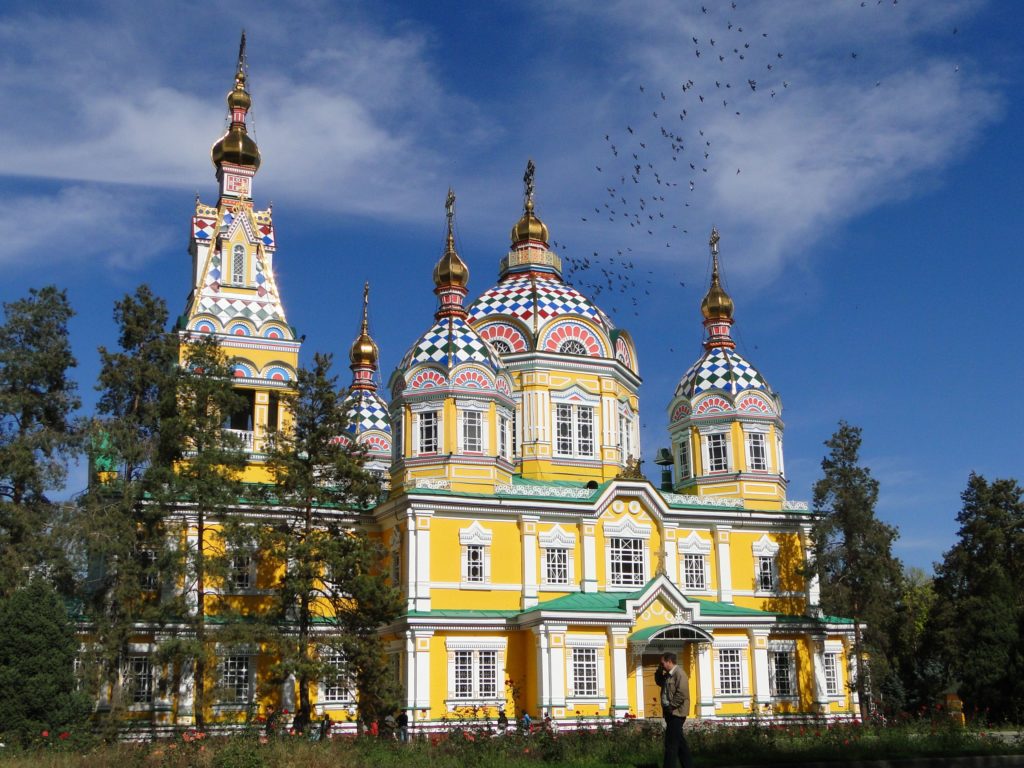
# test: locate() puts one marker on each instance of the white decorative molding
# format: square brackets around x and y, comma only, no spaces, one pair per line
[555,491]
[557,538]
[705,501]
[765,547]
[475,534]
[794,506]
[432,483]
[694,544]
[627,528]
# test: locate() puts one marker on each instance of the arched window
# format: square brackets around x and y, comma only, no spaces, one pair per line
[501,347]
[572,347]
[238,265]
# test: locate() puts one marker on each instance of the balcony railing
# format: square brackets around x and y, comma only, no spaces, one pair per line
[245,436]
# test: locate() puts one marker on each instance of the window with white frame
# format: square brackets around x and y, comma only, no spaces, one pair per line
[475,544]
[428,433]
[146,559]
[515,432]
[504,443]
[138,679]
[472,432]
[831,659]
[626,433]
[782,671]
[757,451]
[584,672]
[730,671]
[695,572]
[557,546]
[240,575]
[765,572]
[694,551]
[238,265]
[334,684]
[574,430]
[683,459]
[235,679]
[475,669]
[573,347]
[718,452]
[627,562]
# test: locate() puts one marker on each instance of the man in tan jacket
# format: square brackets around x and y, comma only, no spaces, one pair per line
[675,705]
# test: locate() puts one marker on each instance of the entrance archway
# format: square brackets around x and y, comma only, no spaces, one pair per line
[648,644]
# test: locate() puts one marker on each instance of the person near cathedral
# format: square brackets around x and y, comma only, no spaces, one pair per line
[403,726]
[675,706]
[502,722]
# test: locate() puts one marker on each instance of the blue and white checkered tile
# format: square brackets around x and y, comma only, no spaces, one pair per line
[722,369]
[450,342]
[519,297]
[366,411]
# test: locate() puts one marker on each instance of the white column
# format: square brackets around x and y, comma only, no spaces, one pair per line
[543,415]
[670,557]
[610,422]
[411,581]
[589,559]
[543,669]
[620,682]
[723,562]
[186,693]
[705,685]
[421,699]
[556,666]
[410,673]
[813,585]
[851,673]
[818,662]
[423,560]
[287,693]
[759,654]
[528,526]
[638,678]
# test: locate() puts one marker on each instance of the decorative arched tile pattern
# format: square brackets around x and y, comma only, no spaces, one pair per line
[512,337]
[564,333]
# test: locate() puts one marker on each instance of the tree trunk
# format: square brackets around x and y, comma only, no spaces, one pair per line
[858,652]
[305,707]
[199,700]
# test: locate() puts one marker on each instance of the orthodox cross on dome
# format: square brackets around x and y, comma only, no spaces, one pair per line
[717,306]
[366,306]
[528,184]
[713,242]
[449,208]
[241,53]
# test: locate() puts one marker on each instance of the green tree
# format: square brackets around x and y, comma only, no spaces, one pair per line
[915,680]
[37,653]
[853,557]
[119,539]
[196,480]
[333,583]
[978,617]
[37,432]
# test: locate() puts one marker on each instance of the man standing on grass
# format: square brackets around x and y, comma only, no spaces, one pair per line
[675,705]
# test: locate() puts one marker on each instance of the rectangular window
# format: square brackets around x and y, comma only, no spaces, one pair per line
[515,432]
[765,573]
[832,674]
[584,671]
[334,685]
[757,452]
[428,432]
[783,684]
[240,573]
[146,559]
[238,265]
[718,454]
[684,459]
[624,438]
[563,430]
[584,431]
[503,438]
[556,566]
[475,563]
[234,680]
[627,562]
[487,674]
[139,679]
[462,687]
[694,572]
[730,672]
[472,432]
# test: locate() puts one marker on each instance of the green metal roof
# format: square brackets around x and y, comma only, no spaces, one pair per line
[462,613]
[716,608]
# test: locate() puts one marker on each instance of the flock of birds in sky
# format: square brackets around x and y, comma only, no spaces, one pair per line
[657,164]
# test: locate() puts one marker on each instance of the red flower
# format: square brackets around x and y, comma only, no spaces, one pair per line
[63,735]
[46,734]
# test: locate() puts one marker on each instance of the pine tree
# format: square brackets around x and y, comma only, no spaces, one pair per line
[978,619]
[853,553]
[37,433]
[196,482]
[333,581]
[37,653]
[121,539]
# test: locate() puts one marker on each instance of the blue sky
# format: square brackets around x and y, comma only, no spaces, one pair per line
[869,209]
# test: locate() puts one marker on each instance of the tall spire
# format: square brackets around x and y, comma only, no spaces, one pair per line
[529,227]
[364,353]
[451,274]
[717,306]
[236,147]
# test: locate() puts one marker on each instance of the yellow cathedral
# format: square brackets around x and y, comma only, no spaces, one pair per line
[542,573]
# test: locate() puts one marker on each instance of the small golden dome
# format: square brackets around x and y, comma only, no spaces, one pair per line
[237,147]
[717,305]
[529,227]
[239,98]
[364,351]
[451,270]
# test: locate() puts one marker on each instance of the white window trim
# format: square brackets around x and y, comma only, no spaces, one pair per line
[475,645]
[230,588]
[695,544]
[576,398]
[788,647]
[757,429]
[245,265]
[417,411]
[680,475]
[765,547]
[147,650]
[626,528]
[475,535]
[321,692]
[557,538]
[225,652]
[598,646]
[743,646]
[837,653]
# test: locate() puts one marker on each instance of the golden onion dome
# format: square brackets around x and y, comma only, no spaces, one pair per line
[717,304]
[238,97]
[236,147]
[451,270]
[529,227]
[364,350]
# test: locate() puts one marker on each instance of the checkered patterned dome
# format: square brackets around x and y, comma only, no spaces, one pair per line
[366,412]
[544,297]
[450,342]
[723,369]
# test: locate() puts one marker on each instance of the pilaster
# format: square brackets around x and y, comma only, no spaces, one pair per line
[723,562]
[528,529]
[422,585]
[759,656]
[589,558]
[620,678]
[705,684]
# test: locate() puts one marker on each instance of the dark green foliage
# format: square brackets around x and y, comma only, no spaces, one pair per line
[322,490]
[37,679]
[37,433]
[859,576]
[978,618]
